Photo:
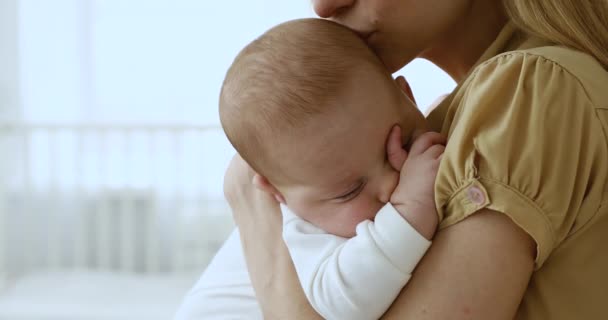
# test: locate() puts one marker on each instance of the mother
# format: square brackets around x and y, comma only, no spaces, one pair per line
[521,190]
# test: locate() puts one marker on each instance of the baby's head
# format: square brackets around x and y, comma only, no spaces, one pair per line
[309,106]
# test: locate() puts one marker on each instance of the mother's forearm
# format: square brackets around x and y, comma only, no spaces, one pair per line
[271,269]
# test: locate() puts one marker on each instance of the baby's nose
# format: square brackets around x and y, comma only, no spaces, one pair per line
[388,183]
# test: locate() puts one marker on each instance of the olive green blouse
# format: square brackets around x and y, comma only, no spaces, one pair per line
[527,138]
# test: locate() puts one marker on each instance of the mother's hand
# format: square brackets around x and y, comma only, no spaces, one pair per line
[242,195]
[258,217]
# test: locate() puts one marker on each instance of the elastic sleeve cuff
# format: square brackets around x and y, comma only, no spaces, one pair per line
[398,239]
[507,200]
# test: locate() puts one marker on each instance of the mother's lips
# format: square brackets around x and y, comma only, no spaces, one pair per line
[365,35]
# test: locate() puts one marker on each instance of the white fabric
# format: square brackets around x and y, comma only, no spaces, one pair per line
[356,278]
[224,290]
[86,295]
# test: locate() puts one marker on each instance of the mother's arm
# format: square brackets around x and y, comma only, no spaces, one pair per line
[258,217]
[478,268]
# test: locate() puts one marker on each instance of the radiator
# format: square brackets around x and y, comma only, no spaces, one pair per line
[141,199]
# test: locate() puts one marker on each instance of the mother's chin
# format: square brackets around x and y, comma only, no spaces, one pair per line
[393,62]
[392,59]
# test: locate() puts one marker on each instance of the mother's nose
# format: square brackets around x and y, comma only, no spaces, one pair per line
[329,8]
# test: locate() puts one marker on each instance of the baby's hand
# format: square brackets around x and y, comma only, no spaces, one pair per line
[414,196]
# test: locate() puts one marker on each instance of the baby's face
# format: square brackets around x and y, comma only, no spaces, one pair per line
[338,173]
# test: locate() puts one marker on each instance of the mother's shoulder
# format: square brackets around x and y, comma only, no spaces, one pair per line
[577,65]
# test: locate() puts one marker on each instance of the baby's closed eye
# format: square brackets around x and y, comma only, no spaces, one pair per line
[352,193]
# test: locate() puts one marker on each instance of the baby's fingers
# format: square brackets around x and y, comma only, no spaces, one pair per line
[435,151]
[425,141]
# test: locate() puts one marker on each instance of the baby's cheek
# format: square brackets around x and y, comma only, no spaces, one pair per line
[336,221]
[342,220]
[359,212]
[367,210]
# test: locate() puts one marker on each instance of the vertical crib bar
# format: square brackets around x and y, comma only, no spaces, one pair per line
[206,208]
[80,218]
[152,243]
[5,134]
[128,232]
[127,215]
[27,247]
[178,256]
[53,246]
[102,213]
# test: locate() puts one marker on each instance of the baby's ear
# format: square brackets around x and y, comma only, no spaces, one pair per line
[263,184]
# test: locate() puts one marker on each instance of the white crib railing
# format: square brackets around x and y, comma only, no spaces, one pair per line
[111,197]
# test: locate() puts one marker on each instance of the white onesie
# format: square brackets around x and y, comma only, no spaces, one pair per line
[356,278]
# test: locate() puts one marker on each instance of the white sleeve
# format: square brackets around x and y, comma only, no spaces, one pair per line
[357,278]
[224,291]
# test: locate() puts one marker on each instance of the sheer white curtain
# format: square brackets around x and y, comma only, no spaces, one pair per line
[136,62]
[9,91]
[105,107]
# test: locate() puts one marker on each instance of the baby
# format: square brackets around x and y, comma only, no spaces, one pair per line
[311,109]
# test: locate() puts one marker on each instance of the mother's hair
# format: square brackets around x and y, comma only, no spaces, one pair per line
[579,24]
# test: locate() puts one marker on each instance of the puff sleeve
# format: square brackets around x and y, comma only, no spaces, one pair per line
[524,141]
